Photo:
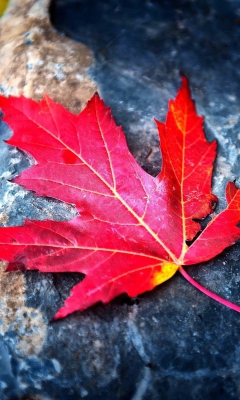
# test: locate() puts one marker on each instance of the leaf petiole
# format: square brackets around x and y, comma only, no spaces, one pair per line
[208,292]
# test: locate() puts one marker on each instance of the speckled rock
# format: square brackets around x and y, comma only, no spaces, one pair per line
[173,343]
[35,59]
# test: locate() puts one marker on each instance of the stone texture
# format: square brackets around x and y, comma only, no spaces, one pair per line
[174,342]
[16,317]
[33,57]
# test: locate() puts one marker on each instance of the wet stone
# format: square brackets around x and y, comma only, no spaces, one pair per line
[173,342]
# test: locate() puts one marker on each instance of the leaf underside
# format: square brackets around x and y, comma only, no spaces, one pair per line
[132,230]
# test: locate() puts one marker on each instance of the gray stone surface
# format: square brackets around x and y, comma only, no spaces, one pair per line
[174,342]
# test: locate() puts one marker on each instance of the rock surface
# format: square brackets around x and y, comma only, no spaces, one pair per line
[33,57]
[174,342]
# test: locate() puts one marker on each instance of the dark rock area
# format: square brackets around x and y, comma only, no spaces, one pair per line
[173,343]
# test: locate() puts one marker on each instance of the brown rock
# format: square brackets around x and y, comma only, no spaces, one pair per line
[35,59]
[27,322]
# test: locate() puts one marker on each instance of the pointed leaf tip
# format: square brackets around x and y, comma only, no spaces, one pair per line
[184,81]
[231,191]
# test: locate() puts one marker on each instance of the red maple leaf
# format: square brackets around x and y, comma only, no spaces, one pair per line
[132,230]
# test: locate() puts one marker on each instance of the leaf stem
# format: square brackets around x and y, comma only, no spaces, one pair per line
[208,292]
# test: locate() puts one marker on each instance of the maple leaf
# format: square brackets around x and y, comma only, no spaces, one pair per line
[133,230]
